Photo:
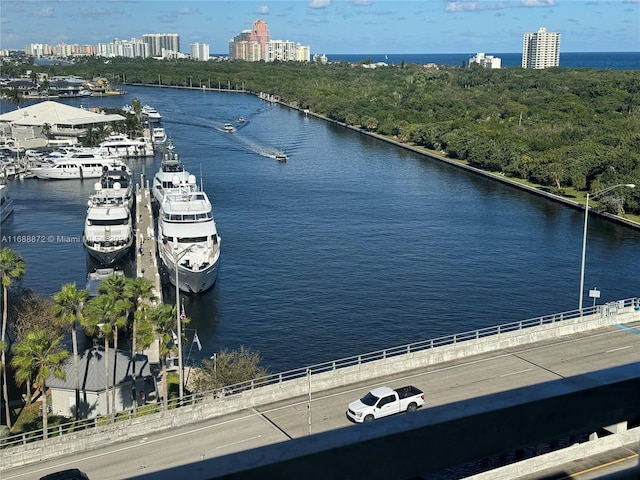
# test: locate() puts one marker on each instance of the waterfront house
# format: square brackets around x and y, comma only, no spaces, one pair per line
[96,387]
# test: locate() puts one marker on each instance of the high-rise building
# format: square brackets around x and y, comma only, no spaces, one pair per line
[250,45]
[200,51]
[255,45]
[486,61]
[541,49]
[260,35]
[161,42]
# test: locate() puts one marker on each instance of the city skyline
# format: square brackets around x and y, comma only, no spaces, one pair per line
[330,26]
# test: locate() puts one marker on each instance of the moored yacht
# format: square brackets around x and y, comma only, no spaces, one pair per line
[171,175]
[122,146]
[188,240]
[6,203]
[158,135]
[77,165]
[151,113]
[108,231]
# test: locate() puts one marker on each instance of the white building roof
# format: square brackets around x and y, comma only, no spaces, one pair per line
[54,113]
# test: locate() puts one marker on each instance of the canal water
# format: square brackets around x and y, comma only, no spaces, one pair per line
[349,246]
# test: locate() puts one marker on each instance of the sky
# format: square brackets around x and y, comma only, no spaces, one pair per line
[331,26]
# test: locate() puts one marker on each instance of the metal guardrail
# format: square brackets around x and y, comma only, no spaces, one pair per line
[608,309]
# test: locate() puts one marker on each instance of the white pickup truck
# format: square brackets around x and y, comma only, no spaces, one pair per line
[385,401]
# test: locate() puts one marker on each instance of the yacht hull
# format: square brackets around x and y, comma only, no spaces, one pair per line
[108,256]
[191,281]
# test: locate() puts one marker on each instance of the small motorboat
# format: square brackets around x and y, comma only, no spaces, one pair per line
[229,128]
[281,157]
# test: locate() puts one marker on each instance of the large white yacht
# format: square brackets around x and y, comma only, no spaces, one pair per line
[6,203]
[77,165]
[122,146]
[188,240]
[108,230]
[151,113]
[171,175]
[158,135]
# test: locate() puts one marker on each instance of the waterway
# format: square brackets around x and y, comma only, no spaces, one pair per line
[349,246]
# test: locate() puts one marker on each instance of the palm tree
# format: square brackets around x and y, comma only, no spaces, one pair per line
[12,267]
[37,357]
[163,317]
[14,97]
[103,315]
[115,287]
[139,292]
[68,307]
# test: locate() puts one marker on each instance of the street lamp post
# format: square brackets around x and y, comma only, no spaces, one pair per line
[176,259]
[584,234]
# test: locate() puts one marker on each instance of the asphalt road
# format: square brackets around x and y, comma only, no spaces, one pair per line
[444,383]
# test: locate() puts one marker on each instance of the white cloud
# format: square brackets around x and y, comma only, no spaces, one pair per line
[46,13]
[317,4]
[263,10]
[537,3]
[475,6]
[362,3]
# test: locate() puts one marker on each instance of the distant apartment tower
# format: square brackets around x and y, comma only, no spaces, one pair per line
[250,45]
[124,48]
[200,51]
[161,42]
[278,50]
[541,49]
[486,61]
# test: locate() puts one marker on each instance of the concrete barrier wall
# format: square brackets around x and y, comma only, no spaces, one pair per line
[214,407]
[629,438]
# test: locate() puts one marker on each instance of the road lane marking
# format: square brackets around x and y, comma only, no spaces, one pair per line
[516,373]
[593,469]
[617,349]
[238,442]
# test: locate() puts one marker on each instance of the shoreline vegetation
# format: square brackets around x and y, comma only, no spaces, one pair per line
[559,132]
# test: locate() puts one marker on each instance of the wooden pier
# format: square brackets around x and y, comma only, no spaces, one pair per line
[146,251]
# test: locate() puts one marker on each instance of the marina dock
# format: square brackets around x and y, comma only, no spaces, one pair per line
[146,252]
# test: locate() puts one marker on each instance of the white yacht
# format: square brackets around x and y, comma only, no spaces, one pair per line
[116,182]
[99,275]
[171,175]
[6,203]
[188,240]
[151,113]
[122,146]
[158,135]
[228,128]
[77,165]
[108,229]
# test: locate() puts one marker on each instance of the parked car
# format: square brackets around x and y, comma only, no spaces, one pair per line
[71,474]
[385,401]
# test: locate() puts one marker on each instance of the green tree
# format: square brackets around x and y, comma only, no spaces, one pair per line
[35,359]
[139,293]
[69,302]
[229,368]
[14,97]
[104,315]
[12,268]
[163,317]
